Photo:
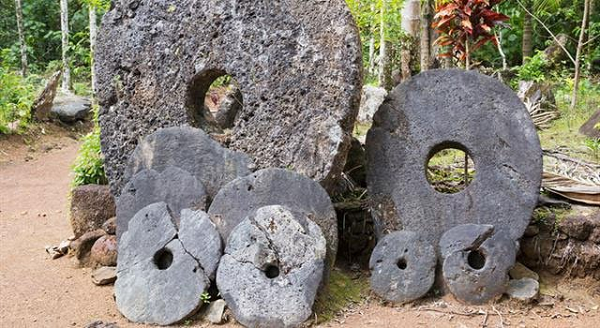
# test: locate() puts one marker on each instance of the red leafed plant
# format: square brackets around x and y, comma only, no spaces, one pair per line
[465,25]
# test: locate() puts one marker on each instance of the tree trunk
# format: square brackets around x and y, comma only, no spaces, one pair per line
[410,26]
[371,69]
[502,54]
[426,34]
[21,31]
[590,43]
[586,8]
[385,72]
[64,24]
[527,32]
[93,34]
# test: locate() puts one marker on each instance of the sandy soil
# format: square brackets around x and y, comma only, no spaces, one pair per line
[36,291]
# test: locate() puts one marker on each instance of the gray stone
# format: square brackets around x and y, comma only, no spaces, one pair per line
[438,109]
[525,289]
[215,311]
[174,186]
[200,238]
[273,265]
[520,271]
[70,108]
[91,206]
[243,196]
[191,150]
[372,97]
[104,275]
[402,267]
[104,251]
[476,260]
[229,108]
[158,280]
[300,75]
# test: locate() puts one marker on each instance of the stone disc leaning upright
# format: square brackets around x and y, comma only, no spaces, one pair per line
[300,76]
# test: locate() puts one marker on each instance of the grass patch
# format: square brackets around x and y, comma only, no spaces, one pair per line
[342,292]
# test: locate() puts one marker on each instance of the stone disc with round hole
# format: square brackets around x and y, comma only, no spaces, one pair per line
[300,75]
[272,268]
[476,260]
[442,109]
[402,267]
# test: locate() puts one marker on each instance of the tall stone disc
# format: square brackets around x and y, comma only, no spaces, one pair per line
[300,74]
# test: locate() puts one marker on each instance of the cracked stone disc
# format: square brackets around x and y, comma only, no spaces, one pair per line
[272,268]
[156,59]
[159,280]
[191,150]
[477,259]
[243,196]
[402,267]
[441,109]
[174,186]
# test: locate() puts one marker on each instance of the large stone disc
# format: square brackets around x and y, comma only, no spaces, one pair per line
[273,265]
[453,109]
[300,75]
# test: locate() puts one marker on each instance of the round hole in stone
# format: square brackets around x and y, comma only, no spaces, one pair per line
[272,272]
[163,259]
[476,259]
[450,169]
[214,101]
[401,264]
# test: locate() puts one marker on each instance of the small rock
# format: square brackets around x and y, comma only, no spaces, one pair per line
[532,230]
[104,251]
[110,226]
[104,275]
[43,104]
[83,245]
[372,98]
[54,252]
[214,313]
[525,289]
[578,227]
[102,324]
[520,271]
[64,246]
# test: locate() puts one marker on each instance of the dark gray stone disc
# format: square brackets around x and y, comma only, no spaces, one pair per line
[465,110]
[243,196]
[300,75]
[273,265]
[159,280]
[174,186]
[402,267]
[476,262]
[191,150]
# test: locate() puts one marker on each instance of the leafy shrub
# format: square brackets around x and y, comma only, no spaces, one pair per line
[534,68]
[89,165]
[17,94]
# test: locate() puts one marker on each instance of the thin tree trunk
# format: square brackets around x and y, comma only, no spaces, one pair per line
[371,69]
[586,8]
[21,31]
[64,24]
[384,53]
[589,43]
[410,25]
[502,54]
[527,33]
[93,34]
[426,35]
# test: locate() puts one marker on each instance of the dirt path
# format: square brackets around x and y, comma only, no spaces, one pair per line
[36,291]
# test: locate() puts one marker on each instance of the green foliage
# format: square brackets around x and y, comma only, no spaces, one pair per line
[89,165]
[534,69]
[17,94]
[205,297]
[341,292]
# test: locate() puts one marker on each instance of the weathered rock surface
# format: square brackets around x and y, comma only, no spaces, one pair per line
[91,206]
[273,265]
[476,261]
[215,311]
[82,246]
[104,251]
[229,108]
[525,289]
[479,115]
[104,275]
[102,324]
[402,267]
[191,150]
[589,129]
[372,97]
[200,238]
[578,227]
[520,271]
[154,68]
[174,186]
[43,104]
[244,196]
[69,108]
[110,226]
[158,280]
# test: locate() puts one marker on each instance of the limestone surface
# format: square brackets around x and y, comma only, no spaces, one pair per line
[442,109]
[243,196]
[272,268]
[300,75]
[402,267]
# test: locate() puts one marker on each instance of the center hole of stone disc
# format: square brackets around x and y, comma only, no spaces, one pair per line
[163,259]
[272,271]
[450,169]
[476,260]
[401,264]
